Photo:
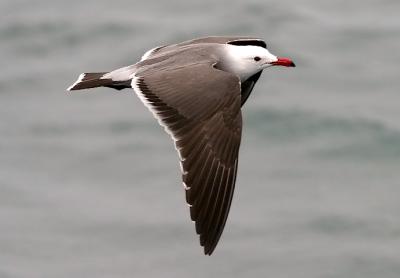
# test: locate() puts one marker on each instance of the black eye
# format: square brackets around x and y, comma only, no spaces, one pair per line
[257,58]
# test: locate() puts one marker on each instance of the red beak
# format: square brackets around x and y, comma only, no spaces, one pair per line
[283,62]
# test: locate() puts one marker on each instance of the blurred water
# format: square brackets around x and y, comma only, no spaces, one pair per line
[90,185]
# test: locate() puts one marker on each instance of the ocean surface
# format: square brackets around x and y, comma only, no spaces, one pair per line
[90,184]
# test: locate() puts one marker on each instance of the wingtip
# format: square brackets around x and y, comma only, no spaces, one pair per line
[208,250]
[208,247]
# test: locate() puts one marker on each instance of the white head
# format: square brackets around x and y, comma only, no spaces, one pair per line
[247,60]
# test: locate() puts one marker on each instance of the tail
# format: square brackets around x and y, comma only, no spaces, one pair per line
[98,79]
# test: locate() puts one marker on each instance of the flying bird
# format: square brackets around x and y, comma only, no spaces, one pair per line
[195,89]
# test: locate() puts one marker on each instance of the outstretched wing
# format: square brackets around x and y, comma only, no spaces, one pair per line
[199,106]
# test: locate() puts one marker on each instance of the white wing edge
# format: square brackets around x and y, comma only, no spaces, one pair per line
[149,52]
[146,103]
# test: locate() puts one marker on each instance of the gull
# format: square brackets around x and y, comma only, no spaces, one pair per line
[195,89]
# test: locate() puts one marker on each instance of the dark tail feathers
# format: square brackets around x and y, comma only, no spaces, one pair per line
[94,79]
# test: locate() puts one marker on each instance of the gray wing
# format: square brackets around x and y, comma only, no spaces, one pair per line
[216,39]
[199,106]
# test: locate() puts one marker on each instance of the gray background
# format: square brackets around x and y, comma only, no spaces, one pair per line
[90,185]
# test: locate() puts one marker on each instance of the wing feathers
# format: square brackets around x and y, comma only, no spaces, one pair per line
[205,122]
